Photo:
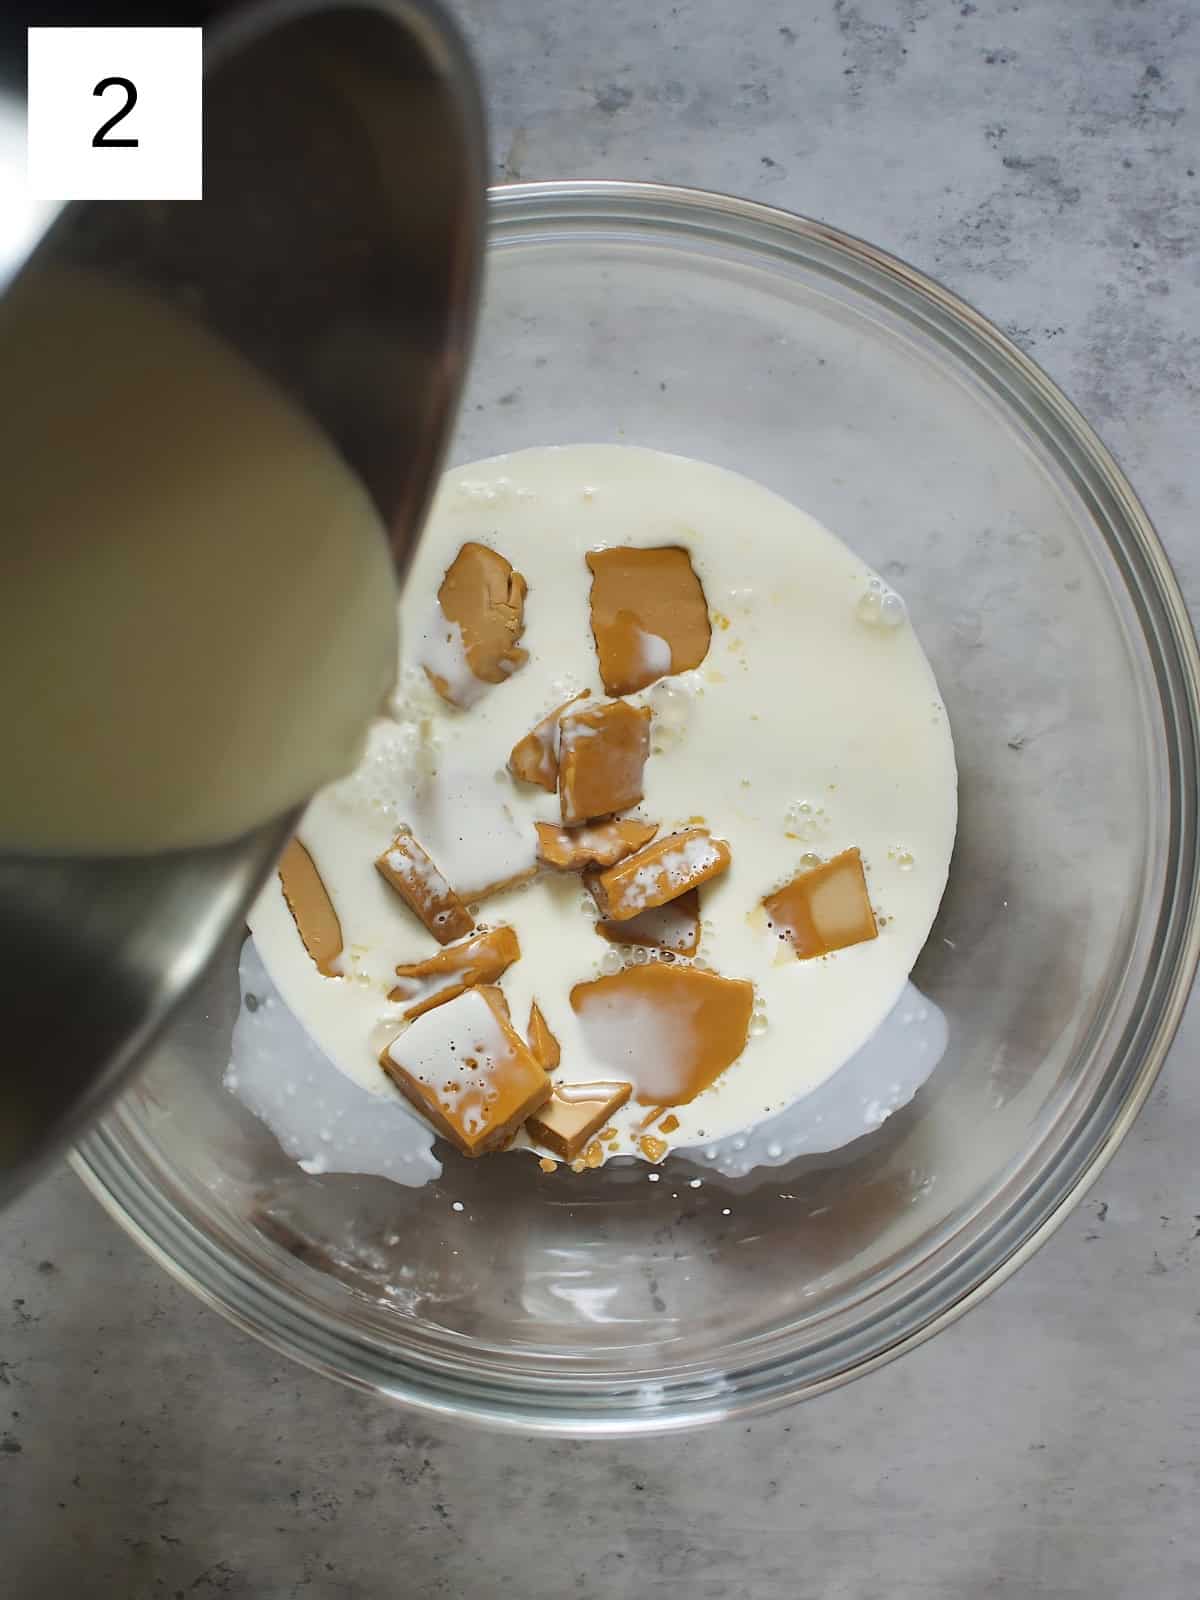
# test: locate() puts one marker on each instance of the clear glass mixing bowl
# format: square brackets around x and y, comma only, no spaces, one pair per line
[602,1303]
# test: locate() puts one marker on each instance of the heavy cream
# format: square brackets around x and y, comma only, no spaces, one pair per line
[197,596]
[812,726]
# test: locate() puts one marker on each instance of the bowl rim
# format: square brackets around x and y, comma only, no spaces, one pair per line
[550,1405]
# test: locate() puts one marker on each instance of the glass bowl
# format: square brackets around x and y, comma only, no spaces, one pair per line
[604,1303]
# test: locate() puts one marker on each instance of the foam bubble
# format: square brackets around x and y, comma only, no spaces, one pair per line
[880,606]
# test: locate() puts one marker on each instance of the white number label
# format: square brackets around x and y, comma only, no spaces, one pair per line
[115,113]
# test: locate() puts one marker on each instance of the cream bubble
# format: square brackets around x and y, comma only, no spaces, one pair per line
[880,606]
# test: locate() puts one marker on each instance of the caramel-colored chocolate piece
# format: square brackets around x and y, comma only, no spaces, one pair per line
[670,1029]
[466,1069]
[601,845]
[662,871]
[312,910]
[534,759]
[824,909]
[649,615]
[543,1044]
[653,1149]
[480,959]
[423,889]
[573,1114]
[486,598]
[601,753]
[674,926]
[658,1115]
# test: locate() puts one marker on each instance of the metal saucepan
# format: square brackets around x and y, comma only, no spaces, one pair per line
[337,246]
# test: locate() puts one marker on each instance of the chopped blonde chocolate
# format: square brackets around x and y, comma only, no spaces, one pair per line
[670,1029]
[480,959]
[543,1044]
[466,1069]
[312,909]
[674,926]
[662,871]
[653,1149]
[649,615]
[534,759]
[405,865]
[602,751]
[601,845]
[575,1113]
[658,1114]
[824,909]
[482,594]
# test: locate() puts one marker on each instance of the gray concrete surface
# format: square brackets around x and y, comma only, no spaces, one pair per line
[1042,158]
